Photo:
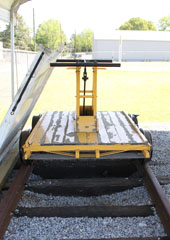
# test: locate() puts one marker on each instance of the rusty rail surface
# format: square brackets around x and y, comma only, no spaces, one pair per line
[157,195]
[12,197]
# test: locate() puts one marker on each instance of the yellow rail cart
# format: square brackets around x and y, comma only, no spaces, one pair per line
[86,133]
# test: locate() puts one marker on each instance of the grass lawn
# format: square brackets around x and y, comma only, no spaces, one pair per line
[144,92]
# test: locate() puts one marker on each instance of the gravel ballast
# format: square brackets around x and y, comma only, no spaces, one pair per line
[78,228]
[65,228]
[136,196]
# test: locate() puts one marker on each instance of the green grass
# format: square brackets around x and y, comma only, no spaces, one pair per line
[145,93]
[142,92]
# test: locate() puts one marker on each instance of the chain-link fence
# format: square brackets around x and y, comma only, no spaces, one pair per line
[23,60]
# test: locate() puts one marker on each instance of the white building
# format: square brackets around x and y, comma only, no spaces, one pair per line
[133,46]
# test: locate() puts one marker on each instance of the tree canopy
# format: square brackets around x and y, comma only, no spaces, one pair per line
[22,35]
[82,42]
[164,24]
[138,24]
[50,34]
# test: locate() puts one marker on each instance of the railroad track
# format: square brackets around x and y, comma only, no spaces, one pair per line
[86,187]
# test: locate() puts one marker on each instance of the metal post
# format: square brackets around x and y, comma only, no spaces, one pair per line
[12,56]
[27,61]
[120,49]
[78,91]
[75,43]
[16,67]
[94,99]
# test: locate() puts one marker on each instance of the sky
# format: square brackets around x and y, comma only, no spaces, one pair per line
[102,16]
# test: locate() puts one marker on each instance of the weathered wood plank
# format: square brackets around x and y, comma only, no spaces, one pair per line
[131,133]
[39,131]
[83,186]
[110,128]
[120,129]
[50,126]
[60,129]
[114,128]
[88,211]
[55,190]
[103,136]
[70,134]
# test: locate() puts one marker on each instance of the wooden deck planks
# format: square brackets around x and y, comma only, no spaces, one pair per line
[50,125]
[132,134]
[61,128]
[120,128]
[40,130]
[110,127]
[103,136]
[114,128]
[70,135]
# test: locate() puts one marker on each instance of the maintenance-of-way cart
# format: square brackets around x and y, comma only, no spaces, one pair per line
[85,133]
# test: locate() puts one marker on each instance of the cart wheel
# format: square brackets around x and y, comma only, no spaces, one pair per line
[23,137]
[142,131]
[35,119]
[148,136]
[134,117]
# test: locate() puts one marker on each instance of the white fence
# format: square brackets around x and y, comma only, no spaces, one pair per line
[23,60]
[21,56]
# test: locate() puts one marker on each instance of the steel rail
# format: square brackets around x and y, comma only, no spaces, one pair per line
[157,195]
[12,197]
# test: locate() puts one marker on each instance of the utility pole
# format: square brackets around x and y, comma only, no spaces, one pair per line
[34,29]
[12,55]
[60,35]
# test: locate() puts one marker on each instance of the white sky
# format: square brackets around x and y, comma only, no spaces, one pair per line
[102,16]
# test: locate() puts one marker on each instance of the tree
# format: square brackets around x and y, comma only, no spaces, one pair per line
[138,24]
[50,34]
[21,33]
[83,41]
[164,23]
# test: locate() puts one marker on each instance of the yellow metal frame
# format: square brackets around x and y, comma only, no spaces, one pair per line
[94,99]
[86,127]
[64,149]
[91,93]
[78,91]
[32,144]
